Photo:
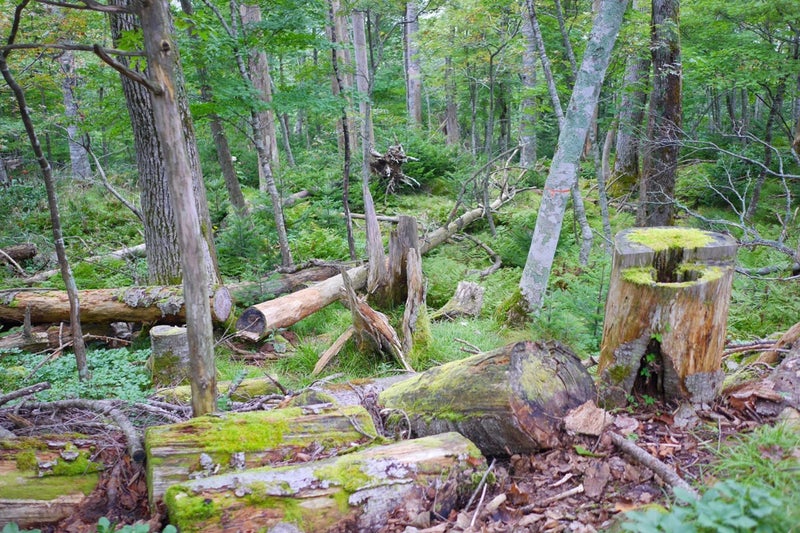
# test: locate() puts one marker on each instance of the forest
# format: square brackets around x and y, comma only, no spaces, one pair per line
[537,259]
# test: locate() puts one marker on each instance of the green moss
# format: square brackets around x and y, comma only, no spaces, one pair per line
[185,510]
[81,465]
[639,275]
[26,461]
[619,373]
[345,472]
[16,487]
[661,239]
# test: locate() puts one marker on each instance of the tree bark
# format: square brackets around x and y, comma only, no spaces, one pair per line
[564,167]
[507,401]
[412,64]
[467,301]
[527,137]
[631,114]
[175,452]
[79,158]
[353,492]
[666,314]
[164,68]
[664,123]
[452,130]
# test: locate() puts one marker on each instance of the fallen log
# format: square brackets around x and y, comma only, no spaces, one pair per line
[507,401]
[210,445]
[162,305]
[122,253]
[262,319]
[44,337]
[354,492]
[18,252]
[786,342]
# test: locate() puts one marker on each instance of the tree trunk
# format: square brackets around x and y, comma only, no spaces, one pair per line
[55,219]
[507,401]
[175,452]
[666,313]
[342,82]
[164,67]
[774,113]
[163,304]
[79,158]
[452,130]
[527,126]
[567,43]
[404,237]
[353,492]
[466,302]
[664,123]
[564,167]
[412,64]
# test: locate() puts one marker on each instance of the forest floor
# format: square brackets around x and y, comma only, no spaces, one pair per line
[580,486]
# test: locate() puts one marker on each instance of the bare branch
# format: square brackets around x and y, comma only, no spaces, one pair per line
[125,71]
[64,46]
[89,5]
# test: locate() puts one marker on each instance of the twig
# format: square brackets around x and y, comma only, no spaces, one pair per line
[478,507]
[658,467]
[547,501]
[27,391]
[471,348]
[497,260]
[7,258]
[480,485]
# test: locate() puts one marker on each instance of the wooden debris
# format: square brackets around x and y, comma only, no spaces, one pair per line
[658,467]
[18,252]
[389,167]
[333,350]
[169,355]
[466,302]
[507,401]
[353,492]
[415,312]
[786,341]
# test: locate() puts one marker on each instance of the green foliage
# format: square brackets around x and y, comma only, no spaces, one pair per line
[243,248]
[115,373]
[443,274]
[437,163]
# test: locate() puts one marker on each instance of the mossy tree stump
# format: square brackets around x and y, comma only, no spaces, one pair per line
[666,314]
[169,359]
[507,401]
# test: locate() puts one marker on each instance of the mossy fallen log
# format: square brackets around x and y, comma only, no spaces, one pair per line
[246,390]
[223,443]
[45,479]
[507,401]
[353,492]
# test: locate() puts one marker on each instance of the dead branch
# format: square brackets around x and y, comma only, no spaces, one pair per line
[333,350]
[27,391]
[790,337]
[497,260]
[658,467]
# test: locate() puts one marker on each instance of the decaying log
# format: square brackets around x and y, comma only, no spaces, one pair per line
[787,341]
[122,253]
[507,401]
[415,317]
[249,291]
[19,252]
[169,355]
[403,238]
[45,480]
[44,337]
[246,390]
[209,445]
[372,328]
[261,319]
[389,167]
[467,301]
[666,314]
[333,350]
[353,492]
[162,305]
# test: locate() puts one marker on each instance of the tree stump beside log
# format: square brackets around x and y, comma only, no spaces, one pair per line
[467,301]
[507,401]
[666,314]
[169,359]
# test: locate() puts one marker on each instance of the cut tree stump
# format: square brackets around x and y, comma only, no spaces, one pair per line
[230,442]
[507,401]
[162,305]
[353,492]
[467,301]
[666,314]
[44,480]
[169,358]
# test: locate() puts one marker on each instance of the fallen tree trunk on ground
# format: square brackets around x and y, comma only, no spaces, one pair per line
[18,252]
[122,253]
[507,401]
[354,492]
[209,445]
[162,305]
[53,337]
[261,319]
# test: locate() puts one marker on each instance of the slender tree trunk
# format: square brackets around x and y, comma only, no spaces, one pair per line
[164,67]
[342,83]
[287,147]
[631,114]
[79,158]
[5,181]
[567,43]
[452,130]
[78,346]
[412,63]
[774,113]
[564,167]
[663,129]
[527,125]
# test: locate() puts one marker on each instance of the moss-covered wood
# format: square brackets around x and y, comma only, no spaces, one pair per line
[666,314]
[506,401]
[353,492]
[246,390]
[222,443]
[45,479]
[169,358]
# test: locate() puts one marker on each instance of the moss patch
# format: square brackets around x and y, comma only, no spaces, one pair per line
[661,239]
[16,487]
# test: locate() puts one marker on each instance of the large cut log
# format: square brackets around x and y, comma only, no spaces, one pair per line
[230,442]
[666,314]
[354,492]
[262,319]
[163,305]
[43,480]
[507,401]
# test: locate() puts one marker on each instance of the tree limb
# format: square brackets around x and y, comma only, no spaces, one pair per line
[125,71]
[658,467]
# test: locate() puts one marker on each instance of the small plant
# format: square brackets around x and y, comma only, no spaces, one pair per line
[104,525]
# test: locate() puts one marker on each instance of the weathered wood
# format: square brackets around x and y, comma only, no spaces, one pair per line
[666,314]
[169,357]
[44,337]
[507,401]
[415,315]
[333,350]
[43,480]
[163,305]
[19,252]
[466,301]
[787,341]
[230,442]
[403,238]
[261,319]
[245,391]
[354,492]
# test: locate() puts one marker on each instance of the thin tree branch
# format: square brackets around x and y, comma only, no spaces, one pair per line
[125,71]
[75,47]
[90,5]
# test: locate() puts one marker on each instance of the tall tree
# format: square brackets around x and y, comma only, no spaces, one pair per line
[563,172]
[413,68]
[527,123]
[78,156]
[664,124]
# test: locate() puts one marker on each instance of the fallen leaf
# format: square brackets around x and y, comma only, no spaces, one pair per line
[588,419]
[596,478]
